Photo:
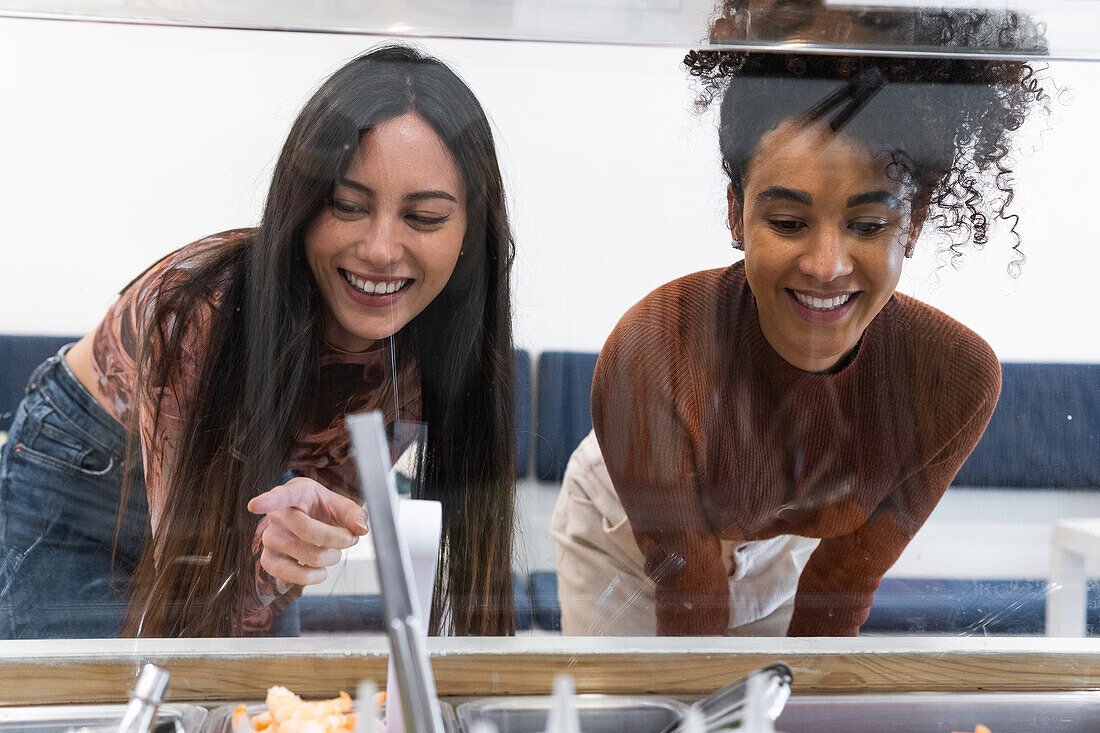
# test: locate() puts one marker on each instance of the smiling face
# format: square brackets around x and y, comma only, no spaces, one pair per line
[385,244]
[825,231]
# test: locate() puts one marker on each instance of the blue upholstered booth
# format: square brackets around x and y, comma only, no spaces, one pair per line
[563,415]
[968,607]
[1045,432]
[904,605]
[19,355]
[523,412]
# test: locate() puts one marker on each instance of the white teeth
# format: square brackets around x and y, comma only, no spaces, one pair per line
[821,304]
[372,288]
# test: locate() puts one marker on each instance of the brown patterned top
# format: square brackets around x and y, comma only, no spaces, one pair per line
[349,382]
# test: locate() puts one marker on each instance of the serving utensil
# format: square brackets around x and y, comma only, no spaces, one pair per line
[419,703]
[727,706]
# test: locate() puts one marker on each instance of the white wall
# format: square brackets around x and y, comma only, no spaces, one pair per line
[119,143]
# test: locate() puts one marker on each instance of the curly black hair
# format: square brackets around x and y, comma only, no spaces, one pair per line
[945,123]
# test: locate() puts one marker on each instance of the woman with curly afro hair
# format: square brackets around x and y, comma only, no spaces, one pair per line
[768,437]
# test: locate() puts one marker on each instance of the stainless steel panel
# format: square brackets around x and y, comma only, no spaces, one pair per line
[598,713]
[172,718]
[1048,712]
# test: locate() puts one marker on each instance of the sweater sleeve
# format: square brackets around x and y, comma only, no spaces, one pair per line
[837,586]
[637,402]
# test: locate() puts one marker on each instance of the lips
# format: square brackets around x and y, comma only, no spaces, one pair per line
[823,307]
[826,303]
[377,291]
[376,286]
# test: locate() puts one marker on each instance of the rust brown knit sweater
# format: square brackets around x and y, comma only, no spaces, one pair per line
[709,434]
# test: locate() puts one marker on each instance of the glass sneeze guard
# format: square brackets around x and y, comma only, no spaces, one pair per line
[1071,27]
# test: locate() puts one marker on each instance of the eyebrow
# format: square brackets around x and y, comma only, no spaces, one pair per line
[782,193]
[414,196]
[875,197]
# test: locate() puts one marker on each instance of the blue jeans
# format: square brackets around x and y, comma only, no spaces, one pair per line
[61,476]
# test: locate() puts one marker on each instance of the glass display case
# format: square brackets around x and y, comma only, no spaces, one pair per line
[700,466]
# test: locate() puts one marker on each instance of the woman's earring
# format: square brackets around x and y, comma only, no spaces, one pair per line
[909,251]
[738,244]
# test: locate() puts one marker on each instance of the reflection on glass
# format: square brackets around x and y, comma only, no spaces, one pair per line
[215,388]
[768,437]
[617,189]
[923,29]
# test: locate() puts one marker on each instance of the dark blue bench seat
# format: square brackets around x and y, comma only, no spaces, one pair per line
[19,355]
[909,606]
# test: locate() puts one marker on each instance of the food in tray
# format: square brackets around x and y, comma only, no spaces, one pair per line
[288,713]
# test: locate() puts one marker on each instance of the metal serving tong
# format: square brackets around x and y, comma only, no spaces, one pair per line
[419,703]
[726,707]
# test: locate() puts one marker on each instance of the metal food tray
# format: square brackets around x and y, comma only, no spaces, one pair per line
[171,718]
[598,713]
[220,719]
[932,712]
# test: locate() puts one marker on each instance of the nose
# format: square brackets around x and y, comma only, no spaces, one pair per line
[380,244]
[826,257]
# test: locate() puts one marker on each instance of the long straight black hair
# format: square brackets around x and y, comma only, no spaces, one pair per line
[260,368]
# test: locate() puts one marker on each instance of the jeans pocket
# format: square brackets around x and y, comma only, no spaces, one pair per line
[50,439]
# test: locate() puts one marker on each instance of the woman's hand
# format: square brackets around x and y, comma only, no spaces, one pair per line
[308,526]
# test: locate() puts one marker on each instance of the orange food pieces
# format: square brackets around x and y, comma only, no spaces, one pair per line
[288,713]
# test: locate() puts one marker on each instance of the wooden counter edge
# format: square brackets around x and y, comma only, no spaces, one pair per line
[208,670]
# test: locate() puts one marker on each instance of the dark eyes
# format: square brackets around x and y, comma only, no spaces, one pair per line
[868,228]
[862,227]
[425,221]
[349,211]
[346,210]
[787,226]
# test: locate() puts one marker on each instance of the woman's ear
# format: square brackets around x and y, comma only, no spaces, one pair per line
[736,216]
[916,224]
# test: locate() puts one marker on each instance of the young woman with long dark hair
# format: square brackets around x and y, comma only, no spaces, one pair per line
[769,436]
[146,469]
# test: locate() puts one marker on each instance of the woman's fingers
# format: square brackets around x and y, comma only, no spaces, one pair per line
[316,501]
[299,492]
[313,531]
[347,513]
[283,542]
[307,527]
[286,569]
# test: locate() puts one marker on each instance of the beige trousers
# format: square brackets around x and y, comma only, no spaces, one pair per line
[602,586]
